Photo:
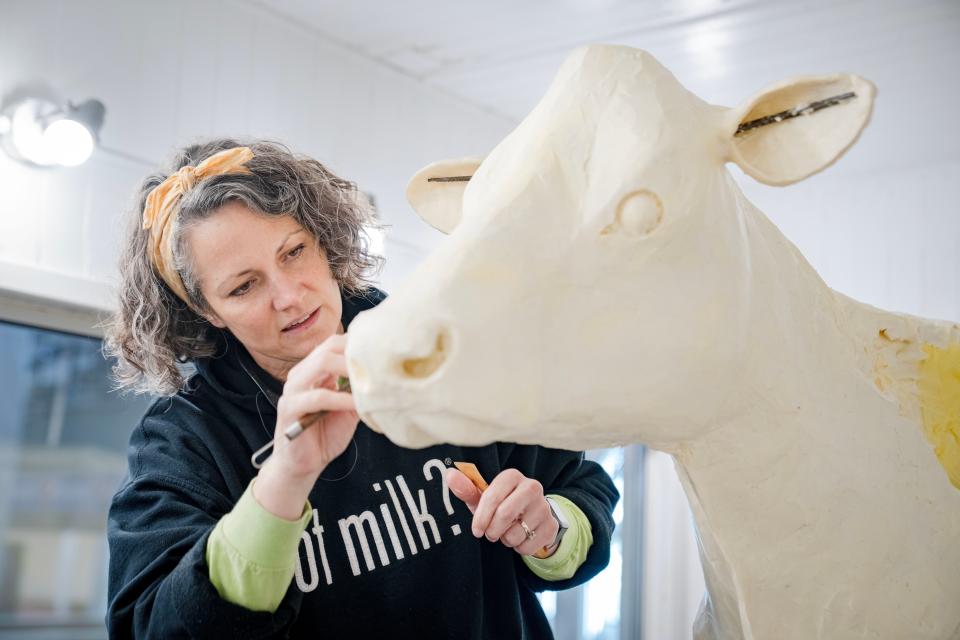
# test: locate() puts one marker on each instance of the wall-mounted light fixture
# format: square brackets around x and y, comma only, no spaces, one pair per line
[43,133]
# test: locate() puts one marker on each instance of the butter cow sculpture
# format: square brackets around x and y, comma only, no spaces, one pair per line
[606,282]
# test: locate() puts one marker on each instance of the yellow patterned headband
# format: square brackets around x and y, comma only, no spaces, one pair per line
[159,214]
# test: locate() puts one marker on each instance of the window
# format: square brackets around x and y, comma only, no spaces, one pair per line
[63,436]
[607,607]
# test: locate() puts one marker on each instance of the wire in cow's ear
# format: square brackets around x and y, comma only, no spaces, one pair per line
[797,127]
[436,191]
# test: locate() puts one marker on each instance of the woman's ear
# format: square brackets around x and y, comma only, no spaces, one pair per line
[211,317]
[436,191]
[778,148]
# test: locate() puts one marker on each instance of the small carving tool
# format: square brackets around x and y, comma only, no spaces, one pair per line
[298,427]
[795,112]
[470,470]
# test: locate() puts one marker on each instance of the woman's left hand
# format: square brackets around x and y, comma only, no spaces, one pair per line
[497,512]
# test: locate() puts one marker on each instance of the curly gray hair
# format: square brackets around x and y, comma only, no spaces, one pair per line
[152,332]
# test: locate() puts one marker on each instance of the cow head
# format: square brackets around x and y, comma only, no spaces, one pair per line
[596,284]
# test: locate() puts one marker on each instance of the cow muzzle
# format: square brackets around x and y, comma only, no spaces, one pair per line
[395,368]
[389,362]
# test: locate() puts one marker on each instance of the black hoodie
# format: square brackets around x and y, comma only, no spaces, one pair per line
[389,552]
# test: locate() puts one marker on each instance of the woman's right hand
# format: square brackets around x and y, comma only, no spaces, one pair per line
[291,471]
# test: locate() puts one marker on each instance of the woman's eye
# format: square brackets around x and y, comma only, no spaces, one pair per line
[242,289]
[293,253]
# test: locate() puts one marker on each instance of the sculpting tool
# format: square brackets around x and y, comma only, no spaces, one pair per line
[800,110]
[473,474]
[298,427]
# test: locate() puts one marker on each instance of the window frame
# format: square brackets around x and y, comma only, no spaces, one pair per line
[50,300]
[36,298]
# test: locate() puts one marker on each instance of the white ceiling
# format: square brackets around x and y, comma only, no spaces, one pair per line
[501,54]
[472,47]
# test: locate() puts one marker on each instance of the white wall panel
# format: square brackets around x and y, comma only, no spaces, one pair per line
[175,72]
[888,237]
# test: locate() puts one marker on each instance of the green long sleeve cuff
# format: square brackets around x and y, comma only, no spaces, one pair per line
[252,554]
[573,547]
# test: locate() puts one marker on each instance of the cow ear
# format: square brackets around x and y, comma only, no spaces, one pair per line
[779,150]
[436,191]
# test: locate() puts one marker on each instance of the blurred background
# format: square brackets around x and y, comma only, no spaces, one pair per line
[376,90]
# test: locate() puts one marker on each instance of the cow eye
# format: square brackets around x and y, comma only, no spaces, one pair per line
[639,213]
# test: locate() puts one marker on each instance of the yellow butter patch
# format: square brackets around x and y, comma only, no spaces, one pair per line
[939,387]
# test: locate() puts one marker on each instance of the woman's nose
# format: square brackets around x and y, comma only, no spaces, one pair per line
[286,293]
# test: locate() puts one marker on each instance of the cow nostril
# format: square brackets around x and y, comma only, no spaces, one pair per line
[429,364]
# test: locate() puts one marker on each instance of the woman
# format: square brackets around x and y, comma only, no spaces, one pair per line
[250,262]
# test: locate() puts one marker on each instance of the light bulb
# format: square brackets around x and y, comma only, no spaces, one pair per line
[27,136]
[68,142]
[44,133]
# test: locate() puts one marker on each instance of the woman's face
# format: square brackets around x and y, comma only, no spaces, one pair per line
[266,279]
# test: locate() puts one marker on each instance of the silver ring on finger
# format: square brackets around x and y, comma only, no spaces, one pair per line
[527,531]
